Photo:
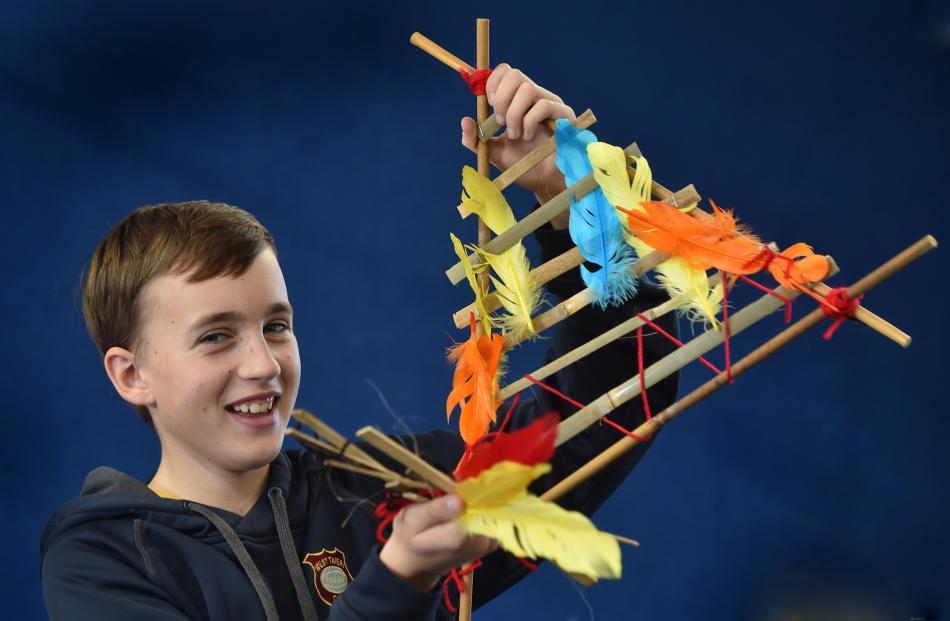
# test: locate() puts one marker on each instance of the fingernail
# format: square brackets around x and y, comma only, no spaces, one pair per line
[500,118]
[454,504]
[491,98]
[512,134]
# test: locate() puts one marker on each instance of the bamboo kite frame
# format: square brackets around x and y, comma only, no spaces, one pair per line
[342,454]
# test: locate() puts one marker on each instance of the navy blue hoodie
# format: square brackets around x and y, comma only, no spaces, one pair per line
[121,552]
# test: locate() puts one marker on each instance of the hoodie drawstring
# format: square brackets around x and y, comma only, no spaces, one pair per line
[243,557]
[294,565]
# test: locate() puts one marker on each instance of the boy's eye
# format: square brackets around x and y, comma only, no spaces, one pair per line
[277,327]
[214,337]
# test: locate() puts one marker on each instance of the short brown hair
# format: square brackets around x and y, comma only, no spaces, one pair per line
[200,238]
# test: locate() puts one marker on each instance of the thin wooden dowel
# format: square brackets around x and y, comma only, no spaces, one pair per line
[398,481]
[363,462]
[596,343]
[542,274]
[532,159]
[763,352]
[547,212]
[427,472]
[349,450]
[666,366]
[580,300]
[873,321]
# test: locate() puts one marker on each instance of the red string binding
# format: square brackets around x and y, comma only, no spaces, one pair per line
[476,81]
[456,576]
[839,307]
[788,301]
[725,326]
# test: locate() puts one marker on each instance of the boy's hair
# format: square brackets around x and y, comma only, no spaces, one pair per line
[200,238]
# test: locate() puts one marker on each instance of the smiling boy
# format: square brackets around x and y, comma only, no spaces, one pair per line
[188,305]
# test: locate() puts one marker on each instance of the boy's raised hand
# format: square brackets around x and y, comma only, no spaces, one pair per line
[521,105]
[427,542]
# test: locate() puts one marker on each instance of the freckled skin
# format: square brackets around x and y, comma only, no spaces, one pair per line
[201,371]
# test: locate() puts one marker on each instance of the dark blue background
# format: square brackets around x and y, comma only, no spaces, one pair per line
[816,485]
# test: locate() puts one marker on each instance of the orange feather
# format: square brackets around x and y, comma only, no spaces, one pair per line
[475,384]
[801,266]
[705,243]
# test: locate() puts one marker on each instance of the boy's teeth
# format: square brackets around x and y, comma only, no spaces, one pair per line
[256,407]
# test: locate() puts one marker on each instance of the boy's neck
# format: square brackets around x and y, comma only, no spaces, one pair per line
[232,491]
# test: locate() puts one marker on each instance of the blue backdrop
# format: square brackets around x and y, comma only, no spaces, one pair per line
[816,485]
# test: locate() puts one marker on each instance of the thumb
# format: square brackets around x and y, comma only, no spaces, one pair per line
[423,516]
[469,133]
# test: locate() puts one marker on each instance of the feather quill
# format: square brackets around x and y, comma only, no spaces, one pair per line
[676,275]
[519,293]
[594,224]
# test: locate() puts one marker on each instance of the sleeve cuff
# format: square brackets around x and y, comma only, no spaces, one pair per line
[377,594]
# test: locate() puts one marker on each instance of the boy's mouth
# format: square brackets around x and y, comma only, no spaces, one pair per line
[254,406]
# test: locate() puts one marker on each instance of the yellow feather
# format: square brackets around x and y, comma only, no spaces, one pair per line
[519,293]
[483,315]
[675,275]
[497,505]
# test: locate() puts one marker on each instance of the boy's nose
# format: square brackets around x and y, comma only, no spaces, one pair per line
[258,361]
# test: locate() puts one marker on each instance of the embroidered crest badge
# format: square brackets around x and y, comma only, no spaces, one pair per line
[331,576]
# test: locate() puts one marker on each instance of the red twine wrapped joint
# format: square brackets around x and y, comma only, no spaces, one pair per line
[839,307]
[476,81]
[389,508]
[456,576]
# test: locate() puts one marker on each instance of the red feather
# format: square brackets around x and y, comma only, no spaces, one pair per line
[530,445]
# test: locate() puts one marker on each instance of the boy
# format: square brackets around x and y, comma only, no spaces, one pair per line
[188,306]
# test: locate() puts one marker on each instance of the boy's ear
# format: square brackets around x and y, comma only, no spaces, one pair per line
[122,370]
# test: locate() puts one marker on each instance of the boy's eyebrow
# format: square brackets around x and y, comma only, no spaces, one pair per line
[274,309]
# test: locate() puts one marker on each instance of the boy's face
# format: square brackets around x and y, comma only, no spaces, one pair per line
[220,360]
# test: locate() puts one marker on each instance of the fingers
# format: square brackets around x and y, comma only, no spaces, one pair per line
[541,111]
[419,517]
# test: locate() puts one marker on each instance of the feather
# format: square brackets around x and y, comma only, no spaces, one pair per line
[703,243]
[483,315]
[497,505]
[676,275]
[529,445]
[475,383]
[594,225]
[800,267]
[520,294]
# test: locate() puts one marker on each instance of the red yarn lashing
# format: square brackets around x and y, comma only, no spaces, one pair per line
[672,338]
[389,508]
[557,392]
[725,326]
[476,81]
[788,301]
[839,307]
[456,576]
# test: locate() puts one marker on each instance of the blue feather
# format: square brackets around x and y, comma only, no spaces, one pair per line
[594,225]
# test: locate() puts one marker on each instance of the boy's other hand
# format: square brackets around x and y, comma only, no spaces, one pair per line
[427,542]
[522,106]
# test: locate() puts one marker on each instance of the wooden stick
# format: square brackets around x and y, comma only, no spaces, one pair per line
[428,473]
[544,214]
[596,343]
[484,236]
[454,62]
[764,351]
[345,448]
[876,323]
[370,472]
[367,463]
[532,159]
[666,366]
[548,271]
